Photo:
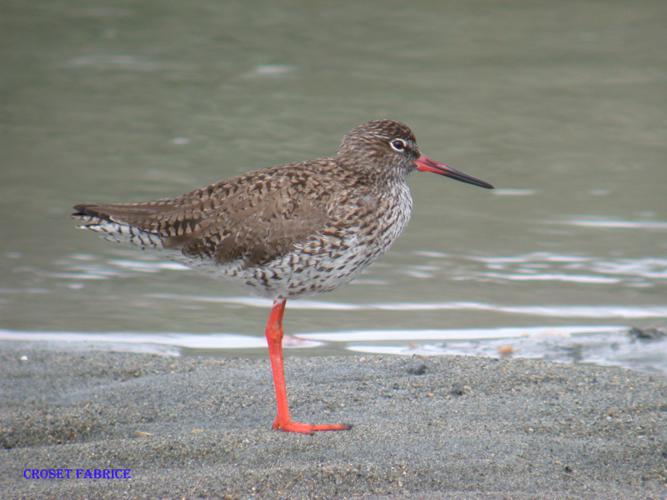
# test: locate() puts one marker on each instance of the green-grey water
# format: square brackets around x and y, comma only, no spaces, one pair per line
[561,105]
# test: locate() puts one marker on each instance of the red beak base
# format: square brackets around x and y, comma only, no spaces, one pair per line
[425,164]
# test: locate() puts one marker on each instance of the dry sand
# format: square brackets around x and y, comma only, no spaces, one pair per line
[450,427]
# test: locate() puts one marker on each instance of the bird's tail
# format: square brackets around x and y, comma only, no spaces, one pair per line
[114,223]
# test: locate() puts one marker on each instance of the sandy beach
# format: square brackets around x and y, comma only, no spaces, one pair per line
[452,427]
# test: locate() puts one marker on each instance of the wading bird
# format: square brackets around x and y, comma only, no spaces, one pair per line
[286,231]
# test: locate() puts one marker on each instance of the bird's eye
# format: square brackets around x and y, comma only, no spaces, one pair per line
[398,145]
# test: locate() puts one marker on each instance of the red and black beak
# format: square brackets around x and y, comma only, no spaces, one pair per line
[425,164]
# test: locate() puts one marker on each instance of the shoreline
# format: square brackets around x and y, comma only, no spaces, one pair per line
[433,427]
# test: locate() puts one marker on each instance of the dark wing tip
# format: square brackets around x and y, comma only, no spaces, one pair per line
[79,210]
[83,210]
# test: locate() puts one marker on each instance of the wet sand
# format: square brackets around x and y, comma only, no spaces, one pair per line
[452,427]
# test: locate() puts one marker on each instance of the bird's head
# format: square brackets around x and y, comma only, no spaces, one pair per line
[389,148]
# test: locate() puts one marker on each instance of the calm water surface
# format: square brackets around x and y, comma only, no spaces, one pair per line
[561,105]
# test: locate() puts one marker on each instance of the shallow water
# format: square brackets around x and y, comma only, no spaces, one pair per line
[560,105]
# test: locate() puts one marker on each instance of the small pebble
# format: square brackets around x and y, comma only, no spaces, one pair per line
[457,390]
[647,333]
[419,369]
[505,350]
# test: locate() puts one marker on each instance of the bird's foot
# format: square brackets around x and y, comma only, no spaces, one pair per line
[291,426]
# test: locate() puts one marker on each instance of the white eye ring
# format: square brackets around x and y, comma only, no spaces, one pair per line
[398,145]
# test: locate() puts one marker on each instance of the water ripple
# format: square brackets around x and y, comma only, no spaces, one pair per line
[603,345]
[542,266]
[617,224]
[537,267]
[455,334]
[557,311]
[606,346]
[140,339]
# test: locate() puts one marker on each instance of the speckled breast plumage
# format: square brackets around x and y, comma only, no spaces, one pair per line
[323,261]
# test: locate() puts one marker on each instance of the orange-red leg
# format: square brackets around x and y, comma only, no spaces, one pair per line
[274,337]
